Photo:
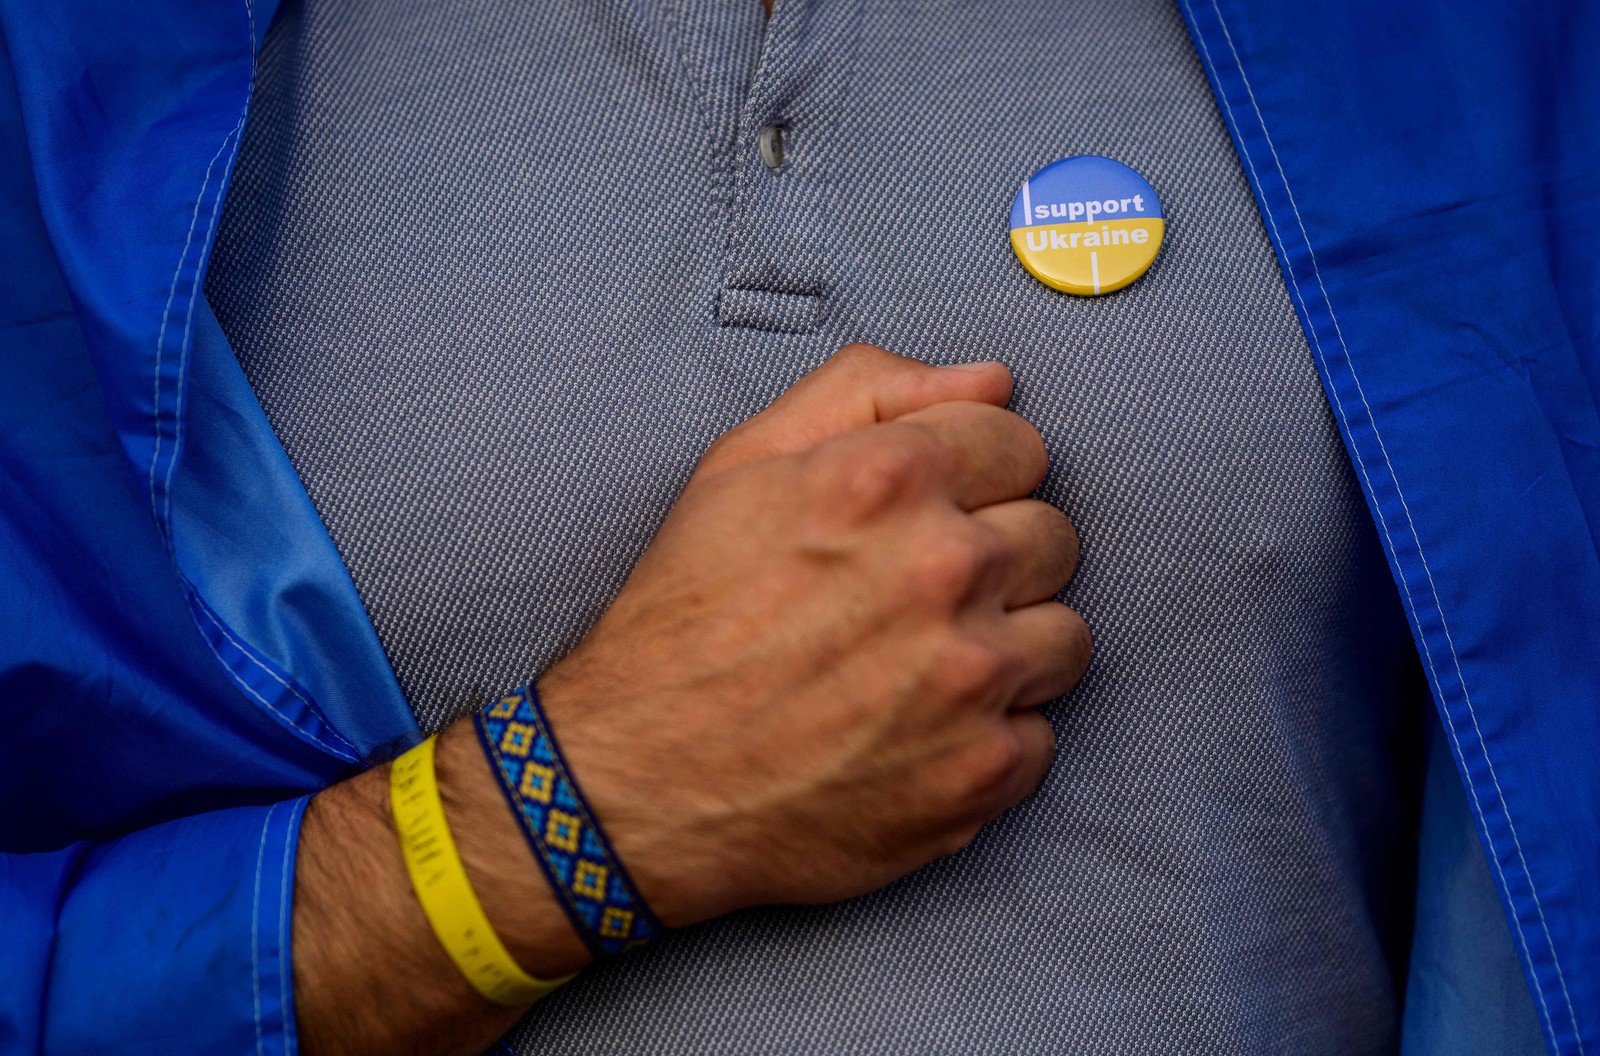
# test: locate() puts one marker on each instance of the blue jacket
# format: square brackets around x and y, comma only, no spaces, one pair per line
[183,659]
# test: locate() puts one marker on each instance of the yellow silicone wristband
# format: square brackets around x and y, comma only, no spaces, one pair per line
[441,884]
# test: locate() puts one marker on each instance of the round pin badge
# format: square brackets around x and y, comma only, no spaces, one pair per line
[1086,225]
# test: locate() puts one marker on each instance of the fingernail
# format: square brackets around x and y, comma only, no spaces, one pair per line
[971,368]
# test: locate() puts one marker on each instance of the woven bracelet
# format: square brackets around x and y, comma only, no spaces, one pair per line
[603,903]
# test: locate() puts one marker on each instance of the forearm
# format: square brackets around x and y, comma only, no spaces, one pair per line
[369,974]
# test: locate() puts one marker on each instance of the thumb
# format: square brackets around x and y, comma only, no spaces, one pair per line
[857,386]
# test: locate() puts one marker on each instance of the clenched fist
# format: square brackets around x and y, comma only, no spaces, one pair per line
[819,676]
[821,673]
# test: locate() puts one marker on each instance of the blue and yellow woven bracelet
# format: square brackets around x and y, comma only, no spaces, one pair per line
[594,889]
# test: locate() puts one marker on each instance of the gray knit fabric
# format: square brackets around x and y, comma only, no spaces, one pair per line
[499,272]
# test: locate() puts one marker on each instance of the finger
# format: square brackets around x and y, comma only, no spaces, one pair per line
[1038,739]
[1050,647]
[1041,549]
[858,386]
[983,454]
[1023,746]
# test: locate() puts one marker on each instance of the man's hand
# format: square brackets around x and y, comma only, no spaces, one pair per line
[819,676]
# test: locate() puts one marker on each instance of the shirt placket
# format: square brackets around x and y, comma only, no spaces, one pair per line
[777,161]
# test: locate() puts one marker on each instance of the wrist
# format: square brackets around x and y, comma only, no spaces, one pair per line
[672,846]
[513,890]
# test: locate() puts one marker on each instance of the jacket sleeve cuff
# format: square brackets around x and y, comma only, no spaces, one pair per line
[176,939]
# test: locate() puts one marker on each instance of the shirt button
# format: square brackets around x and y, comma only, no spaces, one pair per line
[771,143]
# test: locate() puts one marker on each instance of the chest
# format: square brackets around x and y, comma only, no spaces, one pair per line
[499,274]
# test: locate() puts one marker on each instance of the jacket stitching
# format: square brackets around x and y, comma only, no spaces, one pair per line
[162,511]
[285,964]
[1416,539]
[201,608]
[255,929]
[161,334]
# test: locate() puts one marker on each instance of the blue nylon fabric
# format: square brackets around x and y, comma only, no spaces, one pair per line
[1465,991]
[1430,176]
[183,639]
[132,118]
[234,996]
[156,744]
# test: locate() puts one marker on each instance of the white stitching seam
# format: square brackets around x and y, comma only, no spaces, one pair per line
[351,756]
[285,965]
[1406,587]
[166,314]
[183,348]
[194,287]
[1394,478]
[1361,463]
[255,927]
[163,516]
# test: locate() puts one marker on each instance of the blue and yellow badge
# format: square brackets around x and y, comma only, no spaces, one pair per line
[1086,225]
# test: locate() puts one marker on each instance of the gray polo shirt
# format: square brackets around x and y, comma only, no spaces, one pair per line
[499,272]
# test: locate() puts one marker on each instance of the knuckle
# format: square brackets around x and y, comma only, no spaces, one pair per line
[864,480]
[992,761]
[739,444]
[978,781]
[859,356]
[969,672]
[919,432]
[965,554]
[941,573]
